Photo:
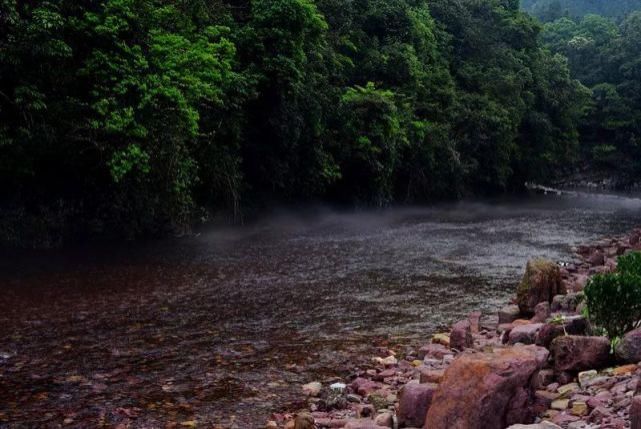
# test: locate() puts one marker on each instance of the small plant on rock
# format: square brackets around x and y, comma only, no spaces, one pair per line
[614,299]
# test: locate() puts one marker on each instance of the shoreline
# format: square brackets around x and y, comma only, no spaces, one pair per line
[419,387]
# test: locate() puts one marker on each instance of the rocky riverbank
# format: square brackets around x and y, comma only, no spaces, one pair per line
[535,364]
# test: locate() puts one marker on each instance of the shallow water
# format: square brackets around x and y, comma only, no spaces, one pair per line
[224,327]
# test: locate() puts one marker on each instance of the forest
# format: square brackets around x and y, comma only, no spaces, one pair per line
[132,118]
[550,10]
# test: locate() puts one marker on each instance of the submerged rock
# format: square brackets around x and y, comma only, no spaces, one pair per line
[487,390]
[540,283]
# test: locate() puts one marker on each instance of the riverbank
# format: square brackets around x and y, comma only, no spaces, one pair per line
[532,362]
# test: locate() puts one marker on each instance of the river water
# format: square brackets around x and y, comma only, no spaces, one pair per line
[223,328]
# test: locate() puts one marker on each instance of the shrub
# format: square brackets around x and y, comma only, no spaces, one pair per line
[614,299]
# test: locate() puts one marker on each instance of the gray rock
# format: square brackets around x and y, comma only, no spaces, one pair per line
[629,348]
[509,314]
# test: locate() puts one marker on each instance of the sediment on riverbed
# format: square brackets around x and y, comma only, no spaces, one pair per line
[534,364]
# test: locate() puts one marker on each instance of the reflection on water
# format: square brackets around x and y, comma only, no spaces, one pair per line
[230,323]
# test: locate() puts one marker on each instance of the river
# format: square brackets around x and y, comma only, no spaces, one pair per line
[221,329]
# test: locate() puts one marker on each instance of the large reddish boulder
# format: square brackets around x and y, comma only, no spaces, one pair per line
[414,401]
[488,390]
[576,353]
[540,283]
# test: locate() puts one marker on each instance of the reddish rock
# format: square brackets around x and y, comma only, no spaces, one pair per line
[596,258]
[414,401]
[525,334]
[475,320]
[543,378]
[431,375]
[304,421]
[572,325]
[487,390]
[363,424]
[598,414]
[363,386]
[564,419]
[540,283]
[433,350]
[461,336]
[629,348]
[576,353]
[390,372]
[541,312]
[635,413]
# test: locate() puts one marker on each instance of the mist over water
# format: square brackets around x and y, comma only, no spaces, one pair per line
[240,317]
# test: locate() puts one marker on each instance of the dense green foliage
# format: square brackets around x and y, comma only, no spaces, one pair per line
[133,117]
[606,57]
[550,10]
[614,299]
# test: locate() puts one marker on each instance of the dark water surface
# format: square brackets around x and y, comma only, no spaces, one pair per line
[222,329]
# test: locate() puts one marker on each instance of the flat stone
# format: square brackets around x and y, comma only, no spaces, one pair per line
[625,369]
[543,425]
[579,408]
[560,404]
[586,376]
[443,339]
[567,389]
[312,389]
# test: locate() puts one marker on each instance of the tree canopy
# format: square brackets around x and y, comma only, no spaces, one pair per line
[137,117]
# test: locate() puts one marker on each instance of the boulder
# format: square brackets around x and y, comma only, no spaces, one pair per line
[628,349]
[525,334]
[571,325]
[566,302]
[575,353]
[489,390]
[540,283]
[541,312]
[461,336]
[509,314]
[414,401]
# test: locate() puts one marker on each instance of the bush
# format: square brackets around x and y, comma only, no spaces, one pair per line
[614,299]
